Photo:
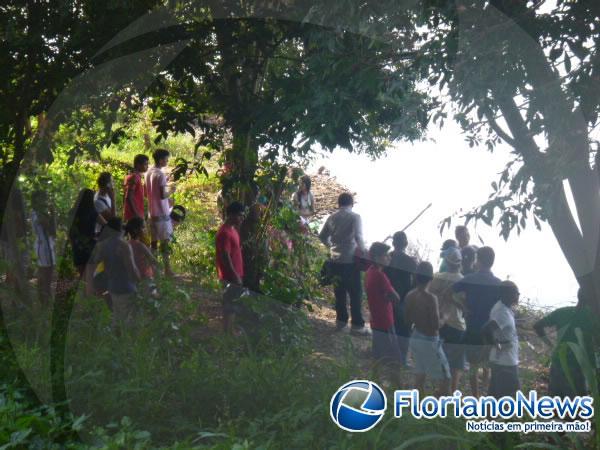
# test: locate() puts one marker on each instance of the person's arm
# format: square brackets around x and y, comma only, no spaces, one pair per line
[540,328]
[490,332]
[457,299]
[100,219]
[113,205]
[390,294]
[435,312]
[325,234]
[149,256]
[129,197]
[226,258]
[358,234]
[164,191]
[296,201]
[102,208]
[127,254]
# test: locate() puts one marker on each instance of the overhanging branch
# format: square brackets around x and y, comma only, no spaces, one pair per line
[497,128]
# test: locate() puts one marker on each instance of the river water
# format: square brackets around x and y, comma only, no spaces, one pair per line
[445,171]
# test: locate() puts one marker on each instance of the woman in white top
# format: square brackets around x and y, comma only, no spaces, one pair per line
[303,200]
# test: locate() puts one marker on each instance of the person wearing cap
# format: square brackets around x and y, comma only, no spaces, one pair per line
[122,273]
[452,320]
[381,297]
[230,263]
[422,311]
[448,246]
[468,251]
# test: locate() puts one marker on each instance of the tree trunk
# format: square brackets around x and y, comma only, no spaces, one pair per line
[567,156]
[7,179]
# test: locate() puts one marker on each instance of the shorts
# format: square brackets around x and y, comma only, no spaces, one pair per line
[231,292]
[161,228]
[452,339]
[429,356]
[385,345]
[504,381]
[476,351]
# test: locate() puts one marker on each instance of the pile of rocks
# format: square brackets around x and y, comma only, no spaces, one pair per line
[326,190]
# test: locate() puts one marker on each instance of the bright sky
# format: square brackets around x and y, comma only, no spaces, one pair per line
[445,171]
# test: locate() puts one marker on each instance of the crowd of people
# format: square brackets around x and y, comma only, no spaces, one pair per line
[460,317]
[440,323]
[112,252]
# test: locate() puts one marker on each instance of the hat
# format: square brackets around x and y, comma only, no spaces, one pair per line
[178,213]
[452,256]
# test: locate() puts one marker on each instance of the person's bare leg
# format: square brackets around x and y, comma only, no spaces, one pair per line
[164,251]
[473,380]
[456,374]
[485,379]
[443,387]
[228,324]
[420,383]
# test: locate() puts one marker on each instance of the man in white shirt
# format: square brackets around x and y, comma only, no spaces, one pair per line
[502,332]
[104,199]
[161,228]
[342,233]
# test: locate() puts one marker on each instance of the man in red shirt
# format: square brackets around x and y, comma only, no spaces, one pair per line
[230,265]
[382,297]
[133,203]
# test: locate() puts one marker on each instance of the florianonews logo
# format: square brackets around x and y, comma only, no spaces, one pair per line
[358,405]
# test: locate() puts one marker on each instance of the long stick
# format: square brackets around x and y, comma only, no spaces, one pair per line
[412,221]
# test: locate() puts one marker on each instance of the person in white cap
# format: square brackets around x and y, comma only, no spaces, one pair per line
[451,313]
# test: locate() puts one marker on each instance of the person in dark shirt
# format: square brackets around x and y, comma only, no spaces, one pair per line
[82,233]
[481,292]
[565,321]
[468,252]
[400,272]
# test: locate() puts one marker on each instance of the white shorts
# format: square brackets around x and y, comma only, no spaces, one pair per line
[429,356]
[161,228]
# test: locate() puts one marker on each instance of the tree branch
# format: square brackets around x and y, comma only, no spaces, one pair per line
[497,129]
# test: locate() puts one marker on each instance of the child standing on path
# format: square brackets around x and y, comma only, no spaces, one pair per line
[425,345]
